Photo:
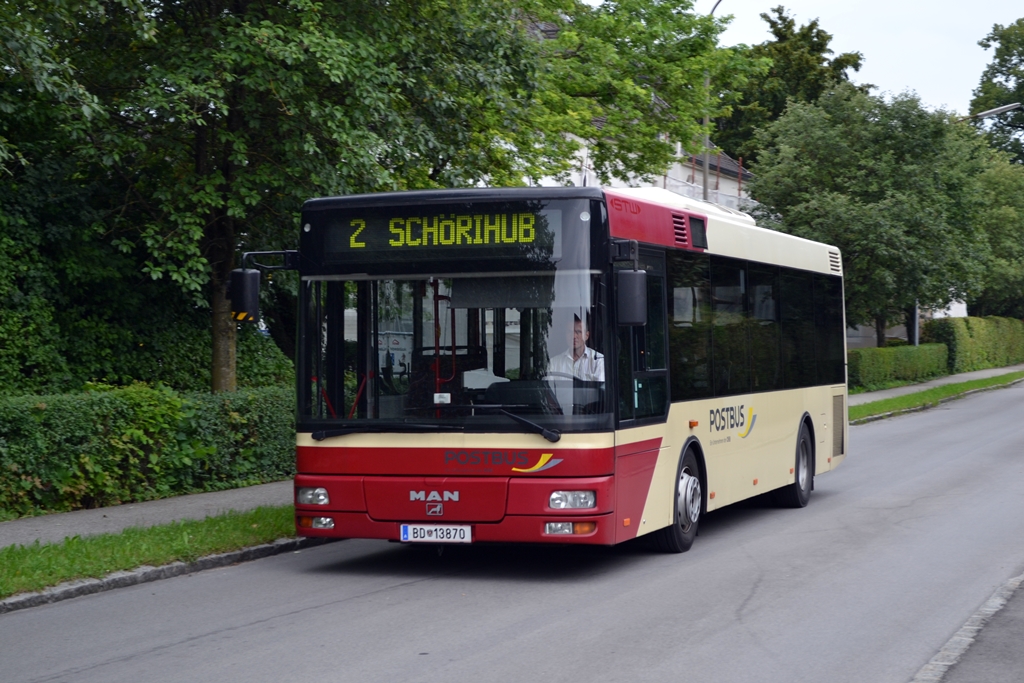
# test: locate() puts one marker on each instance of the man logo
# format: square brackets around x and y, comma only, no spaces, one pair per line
[434,496]
[435,509]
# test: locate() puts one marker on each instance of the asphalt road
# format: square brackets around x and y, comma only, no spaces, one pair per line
[897,549]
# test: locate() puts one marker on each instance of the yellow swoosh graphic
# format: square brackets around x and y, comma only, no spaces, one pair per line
[750,423]
[544,457]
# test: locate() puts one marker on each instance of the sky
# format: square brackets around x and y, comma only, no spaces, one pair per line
[930,48]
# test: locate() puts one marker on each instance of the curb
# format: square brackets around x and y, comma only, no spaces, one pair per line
[145,574]
[917,409]
[956,646]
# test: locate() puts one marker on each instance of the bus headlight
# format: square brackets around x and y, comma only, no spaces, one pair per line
[312,497]
[564,500]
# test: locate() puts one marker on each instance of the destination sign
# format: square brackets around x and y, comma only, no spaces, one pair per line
[421,234]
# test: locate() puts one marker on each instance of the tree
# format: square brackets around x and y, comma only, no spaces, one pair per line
[627,79]
[891,184]
[238,111]
[1002,220]
[1002,82]
[800,70]
[38,82]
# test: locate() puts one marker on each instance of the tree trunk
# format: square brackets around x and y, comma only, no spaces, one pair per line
[223,327]
[220,252]
[880,321]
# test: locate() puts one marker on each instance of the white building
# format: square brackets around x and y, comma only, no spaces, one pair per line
[727,179]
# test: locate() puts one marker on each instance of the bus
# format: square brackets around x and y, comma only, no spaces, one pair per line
[555,365]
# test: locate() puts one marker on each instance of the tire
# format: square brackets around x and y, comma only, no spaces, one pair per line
[678,537]
[798,493]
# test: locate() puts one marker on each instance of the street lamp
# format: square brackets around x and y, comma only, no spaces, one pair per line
[708,117]
[991,112]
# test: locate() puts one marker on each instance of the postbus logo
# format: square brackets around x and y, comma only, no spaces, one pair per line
[544,463]
[733,417]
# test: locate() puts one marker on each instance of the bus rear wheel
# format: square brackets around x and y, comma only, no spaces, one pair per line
[678,537]
[798,493]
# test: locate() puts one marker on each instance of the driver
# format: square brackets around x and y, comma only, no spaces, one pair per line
[579,361]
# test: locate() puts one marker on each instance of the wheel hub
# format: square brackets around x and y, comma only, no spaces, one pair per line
[689,499]
[802,468]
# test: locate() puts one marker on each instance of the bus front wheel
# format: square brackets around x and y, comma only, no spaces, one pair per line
[798,493]
[678,537]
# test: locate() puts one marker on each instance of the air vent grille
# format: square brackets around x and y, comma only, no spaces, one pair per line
[838,415]
[679,226]
[835,262]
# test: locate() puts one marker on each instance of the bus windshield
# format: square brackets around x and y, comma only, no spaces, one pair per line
[457,343]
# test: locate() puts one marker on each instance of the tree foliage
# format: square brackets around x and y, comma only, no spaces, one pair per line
[627,78]
[1002,82]
[801,70]
[147,142]
[1002,220]
[893,185]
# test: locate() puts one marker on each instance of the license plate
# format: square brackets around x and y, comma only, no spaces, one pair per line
[436,533]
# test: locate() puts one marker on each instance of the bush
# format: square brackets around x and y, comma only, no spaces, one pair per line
[113,445]
[876,367]
[179,356]
[978,343]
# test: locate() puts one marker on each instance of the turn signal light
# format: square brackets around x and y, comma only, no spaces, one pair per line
[693,423]
[584,527]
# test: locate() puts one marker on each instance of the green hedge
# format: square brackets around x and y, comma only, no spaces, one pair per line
[875,367]
[116,445]
[978,343]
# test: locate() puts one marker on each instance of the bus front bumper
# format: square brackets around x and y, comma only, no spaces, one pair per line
[511,529]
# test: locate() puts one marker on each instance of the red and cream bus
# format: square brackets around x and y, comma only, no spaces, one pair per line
[557,365]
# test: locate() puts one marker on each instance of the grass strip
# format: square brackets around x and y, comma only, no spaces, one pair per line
[37,566]
[892,384]
[929,397]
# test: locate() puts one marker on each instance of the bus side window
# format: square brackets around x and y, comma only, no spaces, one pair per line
[829,330]
[730,338]
[799,367]
[689,328]
[643,374]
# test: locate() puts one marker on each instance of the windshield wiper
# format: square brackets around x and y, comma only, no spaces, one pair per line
[552,435]
[320,435]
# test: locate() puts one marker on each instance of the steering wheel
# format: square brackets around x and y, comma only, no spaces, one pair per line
[559,375]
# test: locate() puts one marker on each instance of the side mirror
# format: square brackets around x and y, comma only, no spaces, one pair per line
[631,297]
[244,290]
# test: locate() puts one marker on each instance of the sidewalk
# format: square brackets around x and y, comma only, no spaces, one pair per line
[868,397]
[54,528]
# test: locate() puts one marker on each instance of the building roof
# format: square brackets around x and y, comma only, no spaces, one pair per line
[718,162]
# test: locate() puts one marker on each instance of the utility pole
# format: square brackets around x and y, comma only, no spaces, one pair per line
[707,117]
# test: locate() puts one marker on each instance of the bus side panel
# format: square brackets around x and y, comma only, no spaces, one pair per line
[748,443]
[651,508]
[635,465]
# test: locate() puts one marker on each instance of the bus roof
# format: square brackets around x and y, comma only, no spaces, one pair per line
[652,215]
